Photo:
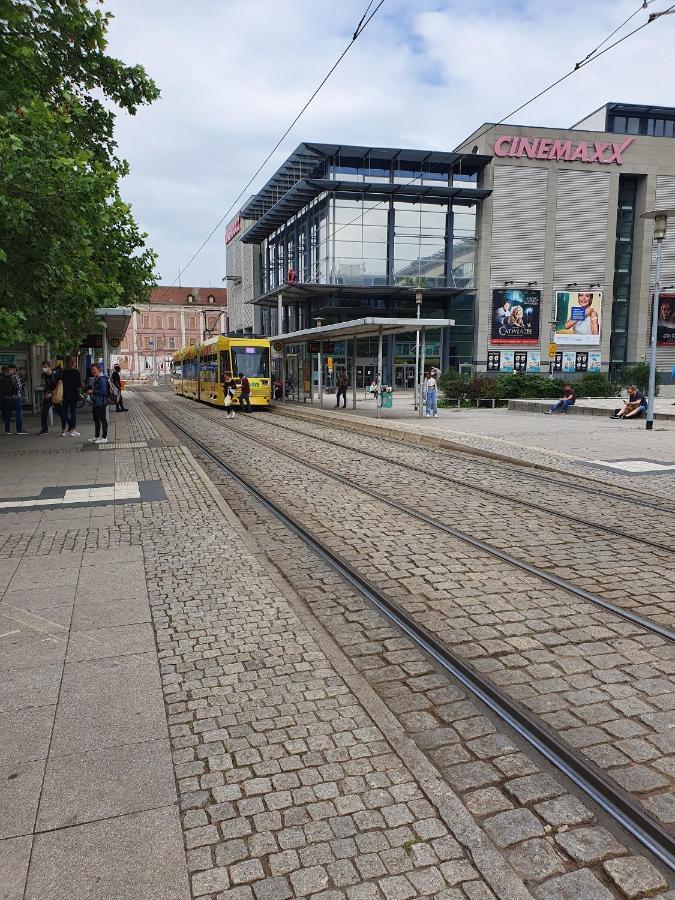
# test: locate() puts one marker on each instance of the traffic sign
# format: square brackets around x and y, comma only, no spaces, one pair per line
[552,350]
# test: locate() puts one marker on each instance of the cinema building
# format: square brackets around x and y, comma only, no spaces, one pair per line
[528,238]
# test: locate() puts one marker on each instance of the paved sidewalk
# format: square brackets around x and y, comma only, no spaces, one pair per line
[88,798]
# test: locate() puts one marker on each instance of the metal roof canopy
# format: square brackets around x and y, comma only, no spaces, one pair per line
[302,290]
[116,320]
[368,327]
[306,189]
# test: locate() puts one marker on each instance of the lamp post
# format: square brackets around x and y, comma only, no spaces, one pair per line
[418,303]
[660,219]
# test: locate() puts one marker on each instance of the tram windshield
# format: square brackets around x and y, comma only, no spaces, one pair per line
[251,361]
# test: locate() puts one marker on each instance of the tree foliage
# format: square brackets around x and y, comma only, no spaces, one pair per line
[68,242]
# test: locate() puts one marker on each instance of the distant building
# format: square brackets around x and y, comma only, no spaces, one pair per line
[175,317]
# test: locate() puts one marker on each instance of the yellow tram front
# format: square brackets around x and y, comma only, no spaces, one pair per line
[199,370]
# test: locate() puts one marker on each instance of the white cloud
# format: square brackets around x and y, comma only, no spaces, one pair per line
[426,74]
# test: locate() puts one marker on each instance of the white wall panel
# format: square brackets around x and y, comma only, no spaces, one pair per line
[581,217]
[518,224]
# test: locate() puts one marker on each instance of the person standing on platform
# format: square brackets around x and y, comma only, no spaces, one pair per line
[245,396]
[228,394]
[342,385]
[99,405]
[11,390]
[431,394]
[116,379]
[49,382]
[72,382]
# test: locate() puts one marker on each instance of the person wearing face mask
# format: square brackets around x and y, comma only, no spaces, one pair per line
[49,381]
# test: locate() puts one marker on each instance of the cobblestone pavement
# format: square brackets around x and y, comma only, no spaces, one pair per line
[561,443]
[554,840]
[604,684]
[598,561]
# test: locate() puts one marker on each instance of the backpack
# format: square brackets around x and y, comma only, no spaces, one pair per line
[113,392]
[7,386]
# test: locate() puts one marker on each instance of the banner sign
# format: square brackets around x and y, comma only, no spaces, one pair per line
[515,317]
[562,151]
[578,317]
[233,229]
[665,326]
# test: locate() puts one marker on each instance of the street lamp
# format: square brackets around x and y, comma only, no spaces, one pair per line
[660,219]
[418,303]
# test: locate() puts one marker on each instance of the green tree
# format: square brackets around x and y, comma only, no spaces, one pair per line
[68,242]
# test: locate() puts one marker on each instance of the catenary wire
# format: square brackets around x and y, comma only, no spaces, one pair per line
[363,24]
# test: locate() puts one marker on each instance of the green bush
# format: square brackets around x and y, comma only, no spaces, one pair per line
[452,384]
[523,386]
[593,384]
[638,375]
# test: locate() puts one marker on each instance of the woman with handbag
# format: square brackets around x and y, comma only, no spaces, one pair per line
[228,391]
[52,396]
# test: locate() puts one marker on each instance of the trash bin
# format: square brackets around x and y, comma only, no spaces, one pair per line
[387,401]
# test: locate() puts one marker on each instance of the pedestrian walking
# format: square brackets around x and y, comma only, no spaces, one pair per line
[72,384]
[228,392]
[431,394]
[342,385]
[49,397]
[99,405]
[11,390]
[116,379]
[245,396]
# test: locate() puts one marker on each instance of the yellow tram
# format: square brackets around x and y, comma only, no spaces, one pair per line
[198,371]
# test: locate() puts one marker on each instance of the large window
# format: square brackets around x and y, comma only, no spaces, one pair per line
[420,244]
[254,362]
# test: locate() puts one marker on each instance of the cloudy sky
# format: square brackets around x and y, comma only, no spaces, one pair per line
[425,73]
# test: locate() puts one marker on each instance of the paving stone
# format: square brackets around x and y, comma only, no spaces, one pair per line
[536,860]
[487,801]
[471,775]
[590,845]
[309,881]
[635,876]
[662,806]
[272,889]
[580,885]
[458,871]
[636,779]
[565,810]
[246,871]
[427,881]
[210,882]
[397,887]
[532,788]
[511,827]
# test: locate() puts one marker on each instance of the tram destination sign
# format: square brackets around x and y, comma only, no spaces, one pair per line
[603,152]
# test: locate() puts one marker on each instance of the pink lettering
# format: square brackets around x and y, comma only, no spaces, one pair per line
[599,152]
[498,145]
[581,153]
[528,149]
[544,147]
[617,150]
[560,150]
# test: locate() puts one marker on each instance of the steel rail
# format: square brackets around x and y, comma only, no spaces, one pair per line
[517,466]
[487,491]
[611,798]
[647,624]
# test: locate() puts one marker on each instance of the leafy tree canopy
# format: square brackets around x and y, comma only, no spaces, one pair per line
[68,242]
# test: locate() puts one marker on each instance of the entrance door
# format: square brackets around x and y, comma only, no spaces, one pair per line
[410,378]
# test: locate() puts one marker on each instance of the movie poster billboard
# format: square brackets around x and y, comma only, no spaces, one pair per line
[665,326]
[594,361]
[515,317]
[578,317]
[506,361]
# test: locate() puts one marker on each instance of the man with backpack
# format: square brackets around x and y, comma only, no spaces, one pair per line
[100,397]
[116,379]
[10,393]
[71,381]
[49,381]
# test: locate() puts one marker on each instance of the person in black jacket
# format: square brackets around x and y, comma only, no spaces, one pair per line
[72,382]
[49,381]
[116,379]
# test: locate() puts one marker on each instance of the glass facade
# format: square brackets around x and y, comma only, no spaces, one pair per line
[643,122]
[623,264]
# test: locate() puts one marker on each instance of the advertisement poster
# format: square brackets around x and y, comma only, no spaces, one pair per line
[594,361]
[533,360]
[569,361]
[665,326]
[515,317]
[578,317]
[506,361]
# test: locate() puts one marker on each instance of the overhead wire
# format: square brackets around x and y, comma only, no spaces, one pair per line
[360,28]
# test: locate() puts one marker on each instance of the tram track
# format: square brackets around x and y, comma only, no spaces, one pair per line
[499,495]
[613,799]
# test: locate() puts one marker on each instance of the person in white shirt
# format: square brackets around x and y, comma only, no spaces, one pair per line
[431,394]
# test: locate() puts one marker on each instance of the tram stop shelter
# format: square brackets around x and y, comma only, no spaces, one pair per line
[308,342]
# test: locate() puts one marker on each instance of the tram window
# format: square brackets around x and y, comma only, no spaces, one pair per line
[252,361]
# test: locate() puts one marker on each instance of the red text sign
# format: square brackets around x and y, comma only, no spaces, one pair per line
[564,151]
[232,229]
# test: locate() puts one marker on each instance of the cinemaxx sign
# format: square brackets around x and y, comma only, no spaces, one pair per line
[606,153]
